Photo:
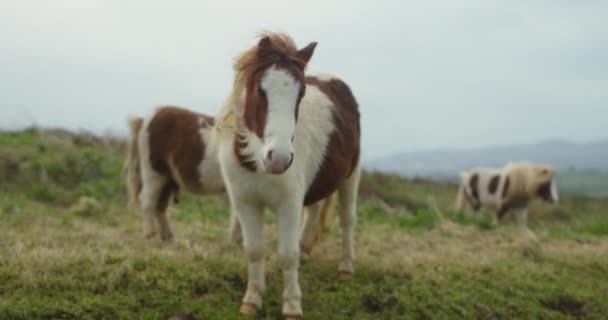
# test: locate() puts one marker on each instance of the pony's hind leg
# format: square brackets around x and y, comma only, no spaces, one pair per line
[149,197]
[347,194]
[522,218]
[167,193]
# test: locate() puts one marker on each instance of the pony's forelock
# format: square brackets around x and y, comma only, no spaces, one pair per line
[282,49]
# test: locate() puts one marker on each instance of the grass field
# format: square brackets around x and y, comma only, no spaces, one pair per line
[591,182]
[70,250]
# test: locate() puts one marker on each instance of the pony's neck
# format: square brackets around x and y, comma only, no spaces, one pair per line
[229,116]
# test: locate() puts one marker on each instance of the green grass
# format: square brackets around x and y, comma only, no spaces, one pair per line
[69,250]
[589,182]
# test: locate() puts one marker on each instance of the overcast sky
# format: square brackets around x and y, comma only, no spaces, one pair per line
[428,74]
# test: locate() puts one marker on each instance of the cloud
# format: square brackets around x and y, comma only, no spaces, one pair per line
[427,74]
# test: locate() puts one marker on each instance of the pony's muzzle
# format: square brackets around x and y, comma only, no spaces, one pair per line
[554,193]
[277,163]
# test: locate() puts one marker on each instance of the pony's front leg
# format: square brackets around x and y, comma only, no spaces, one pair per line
[289,216]
[251,218]
[522,218]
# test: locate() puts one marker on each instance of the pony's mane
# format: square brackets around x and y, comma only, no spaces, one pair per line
[282,49]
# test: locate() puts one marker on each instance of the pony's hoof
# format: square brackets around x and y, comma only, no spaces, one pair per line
[345,275]
[249,309]
[167,237]
[292,317]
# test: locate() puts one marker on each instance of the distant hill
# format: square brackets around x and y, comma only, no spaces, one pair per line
[564,155]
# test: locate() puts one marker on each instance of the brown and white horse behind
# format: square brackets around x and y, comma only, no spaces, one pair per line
[169,151]
[285,141]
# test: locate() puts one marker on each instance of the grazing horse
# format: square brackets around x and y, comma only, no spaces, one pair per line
[172,151]
[506,189]
[168,152]
[285,141]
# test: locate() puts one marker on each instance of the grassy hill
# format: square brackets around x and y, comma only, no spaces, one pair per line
[70,250]
[583,168]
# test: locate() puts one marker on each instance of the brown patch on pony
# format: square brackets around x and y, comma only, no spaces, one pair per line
[493,185]
[503,210]
[476,205]
[514,203]
[239,144]
[276,49]
[342,151]
[255,109]
[174,136]
[544,192]
[505,190]
[474,185]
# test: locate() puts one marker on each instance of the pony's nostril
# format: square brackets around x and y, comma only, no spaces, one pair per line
[269,155]
[290,159]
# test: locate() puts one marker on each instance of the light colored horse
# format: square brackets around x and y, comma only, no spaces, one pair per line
[510,188]
[285,141]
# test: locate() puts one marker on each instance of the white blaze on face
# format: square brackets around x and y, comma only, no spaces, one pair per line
[282,91]
[554,194]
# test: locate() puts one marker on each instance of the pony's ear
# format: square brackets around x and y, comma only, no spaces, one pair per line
[265,43]
[306,53]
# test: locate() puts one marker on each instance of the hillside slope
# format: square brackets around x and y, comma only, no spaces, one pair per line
[69,250]
[562,154]
[582,164]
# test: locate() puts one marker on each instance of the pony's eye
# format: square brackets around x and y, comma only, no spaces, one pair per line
[261,92]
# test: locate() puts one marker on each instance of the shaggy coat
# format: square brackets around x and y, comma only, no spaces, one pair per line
[287,140]
[509,188]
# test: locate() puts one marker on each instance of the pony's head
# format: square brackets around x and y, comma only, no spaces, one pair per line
[544,180]
[272,84]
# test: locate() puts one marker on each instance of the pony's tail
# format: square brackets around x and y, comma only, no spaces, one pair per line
[325,215]
[133,178]
[461,197]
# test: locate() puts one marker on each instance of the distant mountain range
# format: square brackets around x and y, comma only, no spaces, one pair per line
[564,155]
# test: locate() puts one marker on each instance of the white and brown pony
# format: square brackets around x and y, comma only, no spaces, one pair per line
[506,189]
[285,141]
[169,151]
